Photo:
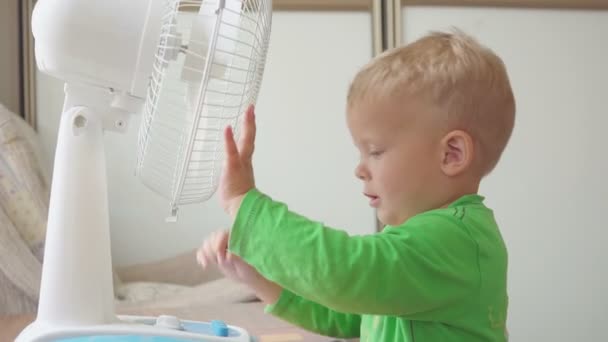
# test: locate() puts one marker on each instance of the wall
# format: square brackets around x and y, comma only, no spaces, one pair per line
[304,152]
[549,192]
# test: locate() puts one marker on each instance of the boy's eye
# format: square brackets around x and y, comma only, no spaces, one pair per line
[376,153]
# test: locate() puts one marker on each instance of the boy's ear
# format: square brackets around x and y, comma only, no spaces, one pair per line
[457,150]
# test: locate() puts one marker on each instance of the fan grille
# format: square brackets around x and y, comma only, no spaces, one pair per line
[208,68]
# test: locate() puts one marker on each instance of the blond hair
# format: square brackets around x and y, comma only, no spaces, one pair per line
[466,81]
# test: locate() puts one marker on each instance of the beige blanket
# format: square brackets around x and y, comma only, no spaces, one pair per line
[24,191]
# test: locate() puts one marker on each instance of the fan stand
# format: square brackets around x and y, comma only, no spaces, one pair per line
[76,288]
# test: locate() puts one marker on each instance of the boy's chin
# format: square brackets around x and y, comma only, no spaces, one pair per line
[388,219]
[384,219]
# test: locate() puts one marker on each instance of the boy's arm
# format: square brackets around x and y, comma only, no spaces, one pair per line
[408,270]
[304,313]
[315,317]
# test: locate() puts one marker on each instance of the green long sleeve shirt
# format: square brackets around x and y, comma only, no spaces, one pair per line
[440,276]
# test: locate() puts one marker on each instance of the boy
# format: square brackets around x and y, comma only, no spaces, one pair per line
[430,119]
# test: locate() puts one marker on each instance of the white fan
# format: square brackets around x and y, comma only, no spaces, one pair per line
[192,67]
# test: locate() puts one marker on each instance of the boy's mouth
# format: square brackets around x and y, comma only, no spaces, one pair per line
[373,200]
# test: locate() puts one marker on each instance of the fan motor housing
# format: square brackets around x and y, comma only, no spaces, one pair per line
[100,43]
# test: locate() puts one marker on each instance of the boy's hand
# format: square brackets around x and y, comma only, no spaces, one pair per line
[215,251]
[237,175]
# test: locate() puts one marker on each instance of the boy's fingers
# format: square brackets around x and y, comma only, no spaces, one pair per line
[213,249]
[225,262]
[217,251]
[208,253]
[201,254]
[223,244]
[247,140]
[232,153]
[200,258]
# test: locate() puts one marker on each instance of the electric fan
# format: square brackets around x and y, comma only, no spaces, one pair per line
[191,67]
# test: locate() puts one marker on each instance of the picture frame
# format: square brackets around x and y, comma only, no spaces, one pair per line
[322,5]
[552,4]
[28,64]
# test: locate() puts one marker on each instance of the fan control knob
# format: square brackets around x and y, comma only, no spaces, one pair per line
[169,322]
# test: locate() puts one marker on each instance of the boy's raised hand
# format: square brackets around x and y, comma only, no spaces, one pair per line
[237,174]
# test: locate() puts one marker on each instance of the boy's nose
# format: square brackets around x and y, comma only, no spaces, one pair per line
[361,172]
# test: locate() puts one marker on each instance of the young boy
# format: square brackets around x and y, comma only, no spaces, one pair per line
[430,119]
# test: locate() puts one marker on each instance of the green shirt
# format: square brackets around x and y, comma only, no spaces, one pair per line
[440,276]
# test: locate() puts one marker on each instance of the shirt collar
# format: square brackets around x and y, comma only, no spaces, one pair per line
[467,200]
